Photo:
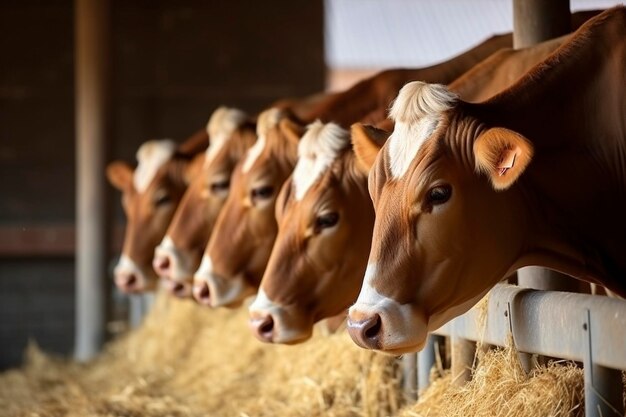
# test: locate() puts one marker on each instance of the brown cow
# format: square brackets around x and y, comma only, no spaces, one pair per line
[244,233]
[313,271]
[178,255]
[150,194]
[468,193]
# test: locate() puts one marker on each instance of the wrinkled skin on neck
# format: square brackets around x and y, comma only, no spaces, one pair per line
[315,271]
[179,255]
[245,229]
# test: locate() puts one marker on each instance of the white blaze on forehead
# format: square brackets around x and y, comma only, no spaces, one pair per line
[267,120]
[221,126]
[318,148]
[416,112]
[151,156]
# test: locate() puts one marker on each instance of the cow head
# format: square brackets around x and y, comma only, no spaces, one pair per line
[240,245]
[443,235]
[150,194]
[178,256]
[325,219]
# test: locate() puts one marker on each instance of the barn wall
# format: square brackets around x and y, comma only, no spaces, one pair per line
[173,63]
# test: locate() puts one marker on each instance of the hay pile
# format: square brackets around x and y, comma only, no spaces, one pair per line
[500,387]
[188,361]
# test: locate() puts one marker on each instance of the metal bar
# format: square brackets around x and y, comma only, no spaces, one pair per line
[603,386]
[409,376]
[535,21]
[426,360]
[91,26]
[548,323]
[463,354]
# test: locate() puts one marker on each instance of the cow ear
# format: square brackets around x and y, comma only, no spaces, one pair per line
[120,175]
[291,129]
[366,142]
[503,155]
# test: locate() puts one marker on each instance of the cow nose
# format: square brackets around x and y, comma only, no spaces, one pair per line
[161,264]
[178,289]
[127,281]
[263,328]
[366,331]
[201,293]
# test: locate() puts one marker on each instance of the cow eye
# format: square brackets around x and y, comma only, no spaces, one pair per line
[162,200]
[263,193]
[439,195]
[325,221]
[219,186]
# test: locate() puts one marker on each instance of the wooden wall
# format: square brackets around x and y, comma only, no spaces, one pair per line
[173,63]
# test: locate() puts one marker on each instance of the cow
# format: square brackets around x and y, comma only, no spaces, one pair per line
[466,193]
[326,219]
[178,256]
[239,248]
[150,194]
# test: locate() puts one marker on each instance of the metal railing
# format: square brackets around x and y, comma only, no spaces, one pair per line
[584,328]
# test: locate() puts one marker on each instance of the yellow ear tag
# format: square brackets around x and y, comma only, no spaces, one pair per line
[507,162]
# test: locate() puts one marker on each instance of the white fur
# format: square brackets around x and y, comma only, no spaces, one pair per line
[151,156]
[223,291]
[126,265]
[318,148]
[416,111]
[284,330]
[181,260]
[266,121]
[401,326]
[221,126]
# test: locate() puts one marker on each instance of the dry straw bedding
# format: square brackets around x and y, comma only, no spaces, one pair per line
[189,361]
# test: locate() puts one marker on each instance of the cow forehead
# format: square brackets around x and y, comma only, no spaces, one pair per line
[417,111]
[267,120]
[221,126]
[320,146]
[151,156]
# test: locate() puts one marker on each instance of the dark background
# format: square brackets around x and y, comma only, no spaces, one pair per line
[173,62]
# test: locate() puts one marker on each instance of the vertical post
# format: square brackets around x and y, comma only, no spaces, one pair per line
[409,376]
[427,359]
[536,21]
[463,353]
[91,59]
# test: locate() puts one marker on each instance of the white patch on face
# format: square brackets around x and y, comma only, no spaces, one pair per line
[223,291]
[151,156]
[416,111]
[221,126]
[126,266]
[267,120]
[318,148]
[181,261]
[402,327]
[285,327]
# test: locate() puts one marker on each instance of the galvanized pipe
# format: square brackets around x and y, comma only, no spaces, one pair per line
[91,25]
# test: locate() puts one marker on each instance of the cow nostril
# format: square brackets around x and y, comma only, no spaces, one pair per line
[372,328]
[202,294]
[131,280]
[267,327]
[162,264]
[178,288]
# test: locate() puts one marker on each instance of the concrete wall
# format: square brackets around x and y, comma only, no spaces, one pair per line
[173,63]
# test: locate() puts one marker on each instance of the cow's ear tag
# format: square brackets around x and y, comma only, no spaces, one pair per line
[507,162]
[503,155]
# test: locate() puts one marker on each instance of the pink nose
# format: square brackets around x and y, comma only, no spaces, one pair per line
[178,289]
[161,264]
[366,331]
[202,294]
[127,281]
[262,328]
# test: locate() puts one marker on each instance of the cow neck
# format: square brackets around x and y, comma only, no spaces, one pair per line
[574,190]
